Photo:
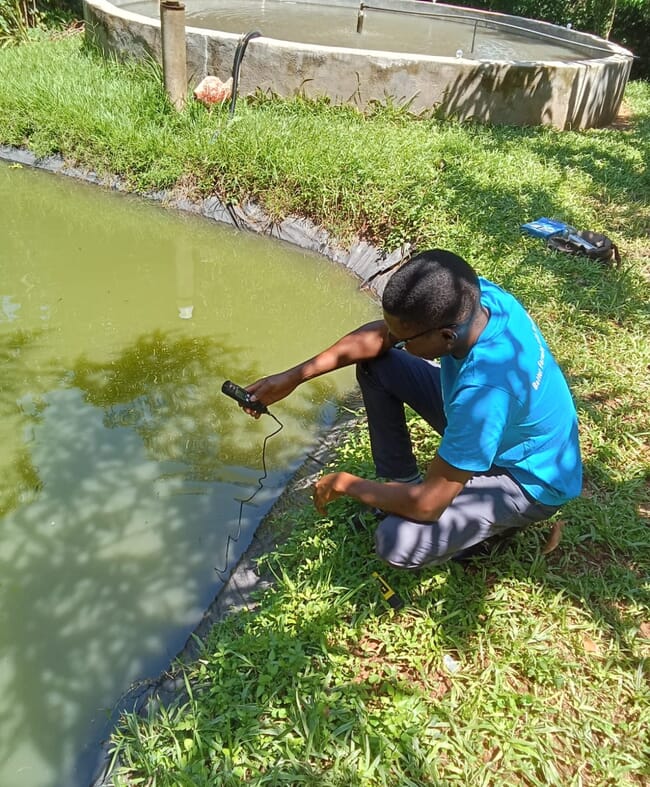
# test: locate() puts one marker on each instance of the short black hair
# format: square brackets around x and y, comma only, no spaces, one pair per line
[435,288]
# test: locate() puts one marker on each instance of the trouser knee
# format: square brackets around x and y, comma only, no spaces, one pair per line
[408,545]
[369,372]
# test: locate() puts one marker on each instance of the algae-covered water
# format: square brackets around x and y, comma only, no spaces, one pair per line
[121,461]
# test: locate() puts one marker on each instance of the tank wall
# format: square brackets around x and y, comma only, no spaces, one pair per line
[579,94]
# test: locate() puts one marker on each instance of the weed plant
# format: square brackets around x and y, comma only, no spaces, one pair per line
[13,26]
[526,669]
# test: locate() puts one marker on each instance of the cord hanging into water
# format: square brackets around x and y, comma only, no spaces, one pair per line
[223,572]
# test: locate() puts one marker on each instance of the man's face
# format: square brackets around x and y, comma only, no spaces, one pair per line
[420,340]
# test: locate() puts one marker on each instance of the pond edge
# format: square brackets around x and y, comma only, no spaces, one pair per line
[368,263]
[371,265]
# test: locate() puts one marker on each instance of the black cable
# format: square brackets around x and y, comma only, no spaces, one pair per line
[233,540]
[236,65]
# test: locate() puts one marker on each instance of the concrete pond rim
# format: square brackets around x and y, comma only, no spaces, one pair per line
[579,93]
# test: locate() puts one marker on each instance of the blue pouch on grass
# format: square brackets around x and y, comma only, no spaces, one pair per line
[544,228]
[561,237]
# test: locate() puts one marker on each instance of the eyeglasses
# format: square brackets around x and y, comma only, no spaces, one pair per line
[400,344]
[460,329]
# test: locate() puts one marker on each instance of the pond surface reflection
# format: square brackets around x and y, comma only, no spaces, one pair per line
[121,460]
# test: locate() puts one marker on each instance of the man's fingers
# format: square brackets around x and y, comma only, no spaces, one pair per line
[318,501]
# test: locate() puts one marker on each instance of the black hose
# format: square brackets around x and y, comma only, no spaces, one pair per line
[236,64]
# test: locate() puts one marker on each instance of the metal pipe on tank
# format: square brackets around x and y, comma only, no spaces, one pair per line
[474,37]
[174,57]
[360,18]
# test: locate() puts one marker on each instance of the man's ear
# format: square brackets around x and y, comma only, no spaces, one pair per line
[449,334]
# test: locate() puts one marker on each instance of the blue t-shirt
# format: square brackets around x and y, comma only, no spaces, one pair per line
[507,404]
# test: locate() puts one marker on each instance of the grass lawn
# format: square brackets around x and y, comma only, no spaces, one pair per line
[527,669]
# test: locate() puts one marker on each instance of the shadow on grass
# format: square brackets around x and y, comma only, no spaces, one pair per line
[613,163]
[324,684]
[591,288]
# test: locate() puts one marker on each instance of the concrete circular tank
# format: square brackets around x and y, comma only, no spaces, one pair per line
[493,68]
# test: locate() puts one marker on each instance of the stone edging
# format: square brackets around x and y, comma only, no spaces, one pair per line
[373,267]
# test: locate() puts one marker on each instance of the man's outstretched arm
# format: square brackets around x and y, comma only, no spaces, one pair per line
[362,344]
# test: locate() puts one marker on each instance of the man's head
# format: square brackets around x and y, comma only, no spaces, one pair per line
[436,292]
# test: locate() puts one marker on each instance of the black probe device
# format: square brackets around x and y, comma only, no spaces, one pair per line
[242,397]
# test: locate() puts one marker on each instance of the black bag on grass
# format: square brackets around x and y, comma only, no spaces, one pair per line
[587,244]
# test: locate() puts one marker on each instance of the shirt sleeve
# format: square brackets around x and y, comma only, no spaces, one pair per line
[477,418]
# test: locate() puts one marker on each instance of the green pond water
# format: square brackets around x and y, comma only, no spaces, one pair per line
[121,461]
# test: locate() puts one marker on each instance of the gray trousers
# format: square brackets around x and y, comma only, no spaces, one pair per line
[489,504]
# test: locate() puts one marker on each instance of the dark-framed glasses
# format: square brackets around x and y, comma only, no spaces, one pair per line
[400,344]
[460,328]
